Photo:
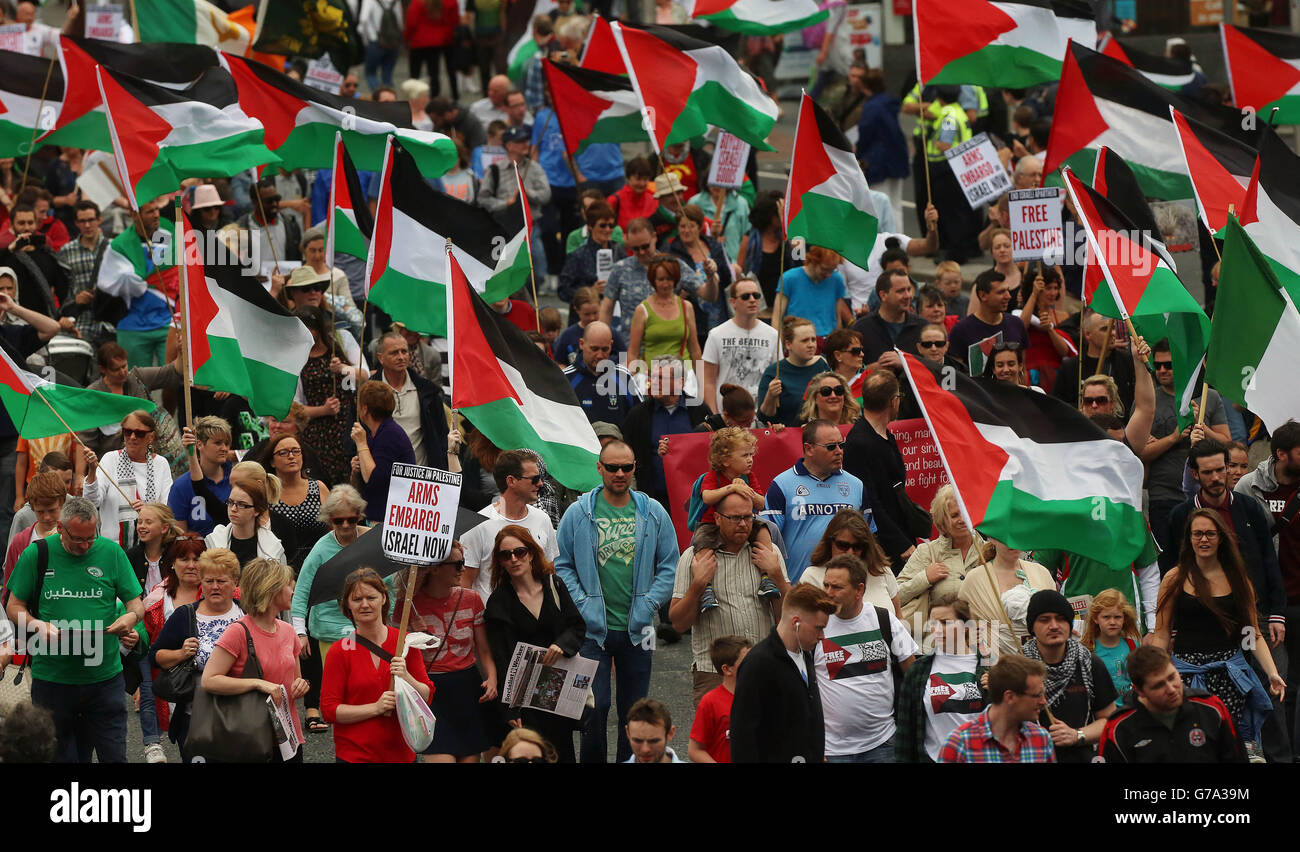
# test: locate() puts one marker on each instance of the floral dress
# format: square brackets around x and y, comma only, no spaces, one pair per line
[330,437]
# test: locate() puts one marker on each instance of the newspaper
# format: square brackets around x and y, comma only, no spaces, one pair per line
[286,735]
[560,688]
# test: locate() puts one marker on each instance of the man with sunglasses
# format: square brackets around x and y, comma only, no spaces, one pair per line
[802,500]
[628,284]
[618,557]
[740,349]
[519,479]
[276,233]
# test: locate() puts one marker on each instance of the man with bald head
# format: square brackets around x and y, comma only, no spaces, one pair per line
[604,388]
[493,106]
[1029,173]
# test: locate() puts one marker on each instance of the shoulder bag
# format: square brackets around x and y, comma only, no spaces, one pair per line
[233,728]
[177,684]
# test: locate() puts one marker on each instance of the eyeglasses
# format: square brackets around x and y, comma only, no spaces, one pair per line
[831,390]
[855,546]
[737,519]
[619,468]
[1206,534]
[745,297]
[235,504]
[1164,365]
[76,539]
[641,248]
[536,479]
[342,522]
[136,433]
[516,553]
[289,453]
[833,445]
[931,344]
[1095,400]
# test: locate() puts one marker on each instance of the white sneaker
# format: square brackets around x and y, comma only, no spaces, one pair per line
[153,753]
[1254,754]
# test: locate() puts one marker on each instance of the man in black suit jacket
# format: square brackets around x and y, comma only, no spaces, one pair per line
[419,401]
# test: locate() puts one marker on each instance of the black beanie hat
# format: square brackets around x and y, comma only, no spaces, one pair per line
[1048,600]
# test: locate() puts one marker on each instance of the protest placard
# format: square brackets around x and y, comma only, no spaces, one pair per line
[729,158]
[323,76]
[103,22]
[1035,218]
[11,37]
[421,515]
[978,170]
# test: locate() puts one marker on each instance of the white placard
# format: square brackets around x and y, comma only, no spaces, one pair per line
[421,518]
[729,158]
[979,171]
[11,38]
[103,22]
[322,75]
[1035,217]
[604,263]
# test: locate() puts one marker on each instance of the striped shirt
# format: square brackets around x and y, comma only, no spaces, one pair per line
[974,742]
[740,612]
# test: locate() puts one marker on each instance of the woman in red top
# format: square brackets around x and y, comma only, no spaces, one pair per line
[444,608]
[636,200]
[1047,344]
[357,695]
[429,30]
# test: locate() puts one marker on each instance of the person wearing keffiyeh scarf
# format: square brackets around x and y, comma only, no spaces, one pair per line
[1080,694]
[141,474]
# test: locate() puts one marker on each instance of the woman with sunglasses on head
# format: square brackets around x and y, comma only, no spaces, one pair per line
[530,604]
[522,745]
[844,352]
[244,534]
[443,608]
[937,567]
[357,694]
[1206,615]
[848,532]
[664,325]
[140,473]
[827,398]
[1006,363]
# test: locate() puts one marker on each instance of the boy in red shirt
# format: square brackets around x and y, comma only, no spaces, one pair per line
[710,740]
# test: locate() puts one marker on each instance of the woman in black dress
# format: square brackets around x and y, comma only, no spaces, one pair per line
[530,604]
[329,381]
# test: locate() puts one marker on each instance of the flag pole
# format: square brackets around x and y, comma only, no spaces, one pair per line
[329,247]
[77,438]
[411,573]
[178,250]
[36,125]
[528,240]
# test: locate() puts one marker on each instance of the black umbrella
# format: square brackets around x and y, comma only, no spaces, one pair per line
[368,552]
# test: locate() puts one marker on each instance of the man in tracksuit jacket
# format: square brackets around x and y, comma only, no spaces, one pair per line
[776,714]
[1168,723]
[618,557]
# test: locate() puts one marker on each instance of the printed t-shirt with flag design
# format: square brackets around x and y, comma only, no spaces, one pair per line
[856,681]
[406,271]
[1015,44]
[952,698]
[1263,71]
[829,203]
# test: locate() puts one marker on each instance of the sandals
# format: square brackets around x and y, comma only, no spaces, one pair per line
[317,725]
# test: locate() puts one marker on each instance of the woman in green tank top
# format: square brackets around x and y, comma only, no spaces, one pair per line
[664,324]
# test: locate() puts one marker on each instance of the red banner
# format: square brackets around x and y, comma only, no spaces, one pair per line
[688,459]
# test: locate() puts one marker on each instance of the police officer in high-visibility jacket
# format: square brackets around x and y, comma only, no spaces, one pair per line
[958,224]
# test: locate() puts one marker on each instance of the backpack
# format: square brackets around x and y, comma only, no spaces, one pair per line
[389,36]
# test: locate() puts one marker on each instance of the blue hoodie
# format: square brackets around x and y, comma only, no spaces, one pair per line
[652,573]
[880,139]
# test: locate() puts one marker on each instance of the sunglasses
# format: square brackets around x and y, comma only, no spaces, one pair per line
[835,390]
[640,248]
[1164,365]
[1006,347]
[458,564]
[619,468]
[136,433]
[517,553]
[856,350]
[604,225]
[535,479]
[746,297]
[833,445]
[526,760]
[1096,400]
[342,522]
[855,546]
[931,344]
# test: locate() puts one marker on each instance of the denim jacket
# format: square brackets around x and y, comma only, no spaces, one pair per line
[1258,704]
[652,572]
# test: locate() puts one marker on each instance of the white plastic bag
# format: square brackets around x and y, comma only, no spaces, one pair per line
[414,716]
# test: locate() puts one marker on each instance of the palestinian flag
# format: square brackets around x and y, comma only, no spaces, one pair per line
[1013,44]
[1112,178]
[194,22]
[1255,335]
[1257,184]
[685,85]
[22,109]
[1163,71]
[829,202]
[406,270]
[1143,287]
[161,137]
[592,106]
[174,66]
[310,28]
[1030,470]
[31,403]
[1264,71]
[759,17]
[301,122]
[526,48]
[237,338]
[977,354]
[1102,101]
[350,222]
[516,396]
[128,272]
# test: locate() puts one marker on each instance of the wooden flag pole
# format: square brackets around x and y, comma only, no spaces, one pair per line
[178,255]
[1105,345]
[36,126]
[1205,392]
[528,242]
[925,150]
[411,573]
